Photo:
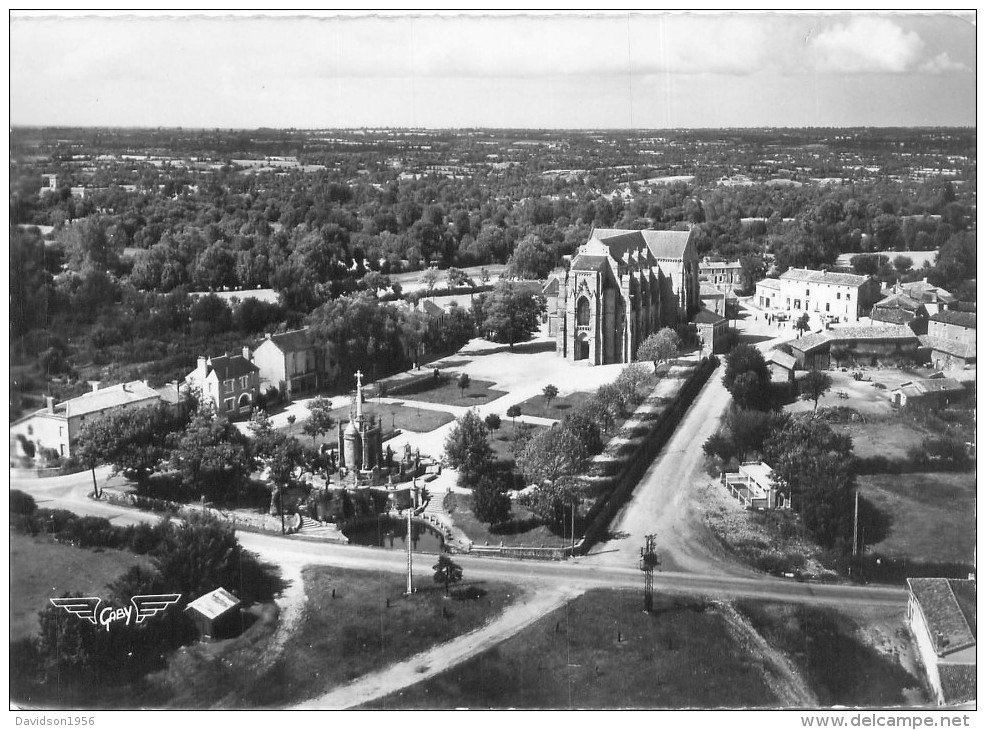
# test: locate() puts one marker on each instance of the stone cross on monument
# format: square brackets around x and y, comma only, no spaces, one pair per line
[359,397]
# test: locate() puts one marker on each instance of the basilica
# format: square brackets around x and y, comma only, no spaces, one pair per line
[621,286]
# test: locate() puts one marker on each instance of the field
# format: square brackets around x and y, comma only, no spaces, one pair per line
[863,395]
[601,651]
[340,638]
[559,407]
[447,391]
[932,516]
[888,438]
[41,569]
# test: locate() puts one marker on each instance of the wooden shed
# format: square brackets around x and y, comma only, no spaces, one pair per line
[214,614]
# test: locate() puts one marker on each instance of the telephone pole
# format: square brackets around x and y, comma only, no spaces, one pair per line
[648,561]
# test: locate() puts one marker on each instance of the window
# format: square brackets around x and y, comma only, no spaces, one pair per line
[229,404]
[229,384]
[245,382]
[582,312]
[797,304]
[61,431]
[62,449]
[807,293]
[826,306]
[30,430]
[838,295]
[847,296]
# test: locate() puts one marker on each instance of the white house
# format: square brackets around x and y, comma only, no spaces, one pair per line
[230,382]
[845,297]
[288,362]
[753,486]
[57,425]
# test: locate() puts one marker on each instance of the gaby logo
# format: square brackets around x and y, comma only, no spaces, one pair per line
[142,607]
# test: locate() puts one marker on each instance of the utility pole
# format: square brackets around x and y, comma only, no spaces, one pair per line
[410,509]
[855,527]
[649,561]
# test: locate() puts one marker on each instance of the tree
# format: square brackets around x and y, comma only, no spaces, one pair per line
[659,346]
[743,358]
[134,440]
[814,385]
[430,279]
[551,453]
[447,572]
[753,268]
[490,502]
[510,313]
[802,324]
[492,422]
[456,278]
[467,448]
[750,392]
[550,392]
[211,455]
[512,413]
[320,419]
[532,259]
[463,383]
[555,501]
[903,263]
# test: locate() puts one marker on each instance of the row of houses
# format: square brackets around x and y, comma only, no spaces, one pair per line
[286,362]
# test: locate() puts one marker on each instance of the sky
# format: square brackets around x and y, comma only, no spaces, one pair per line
[643,70]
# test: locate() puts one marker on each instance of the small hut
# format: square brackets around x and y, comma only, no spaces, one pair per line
[214,614]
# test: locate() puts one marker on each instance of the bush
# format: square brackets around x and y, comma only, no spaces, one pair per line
[22,503]
[94,532]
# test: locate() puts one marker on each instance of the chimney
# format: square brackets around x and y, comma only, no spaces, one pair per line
[201,367]
[50,403]
[94,384]
[246,353]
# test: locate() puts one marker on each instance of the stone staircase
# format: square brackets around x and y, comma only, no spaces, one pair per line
[436,515]
[328,531]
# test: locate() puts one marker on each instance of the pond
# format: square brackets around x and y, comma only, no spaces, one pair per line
[390,533]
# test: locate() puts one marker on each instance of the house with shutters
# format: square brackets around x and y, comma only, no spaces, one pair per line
[57,425]
[230,382]
[289,363]
[826,294]
[951,339]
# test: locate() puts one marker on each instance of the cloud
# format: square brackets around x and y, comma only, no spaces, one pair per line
[875,45]
[942,63]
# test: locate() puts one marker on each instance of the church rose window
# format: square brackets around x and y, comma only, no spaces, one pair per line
[582,313]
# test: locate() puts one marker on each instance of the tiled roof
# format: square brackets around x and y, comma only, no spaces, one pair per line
[584,262]
[920,288]
[293,341]
[900,301]
[232,366]
[891,315]
[552,287]
[958,682]
[811,342]
[99,400]
[873,332]
[720,265]
[770,284]
[432,309]
[942,614]
[782,358]
[667,244]
[823,277]
[931,385]
[950,347]
[960,319]
[704,316]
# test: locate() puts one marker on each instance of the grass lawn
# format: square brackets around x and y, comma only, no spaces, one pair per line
[825,647]
[447,391]
[932,516]
[681,655]
[559,407]
[395,415]
[339,639]
[524,529]
[889,438]
[501,441]
[41,569]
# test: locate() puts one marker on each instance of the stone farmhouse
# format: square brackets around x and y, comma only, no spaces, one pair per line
[287,362]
